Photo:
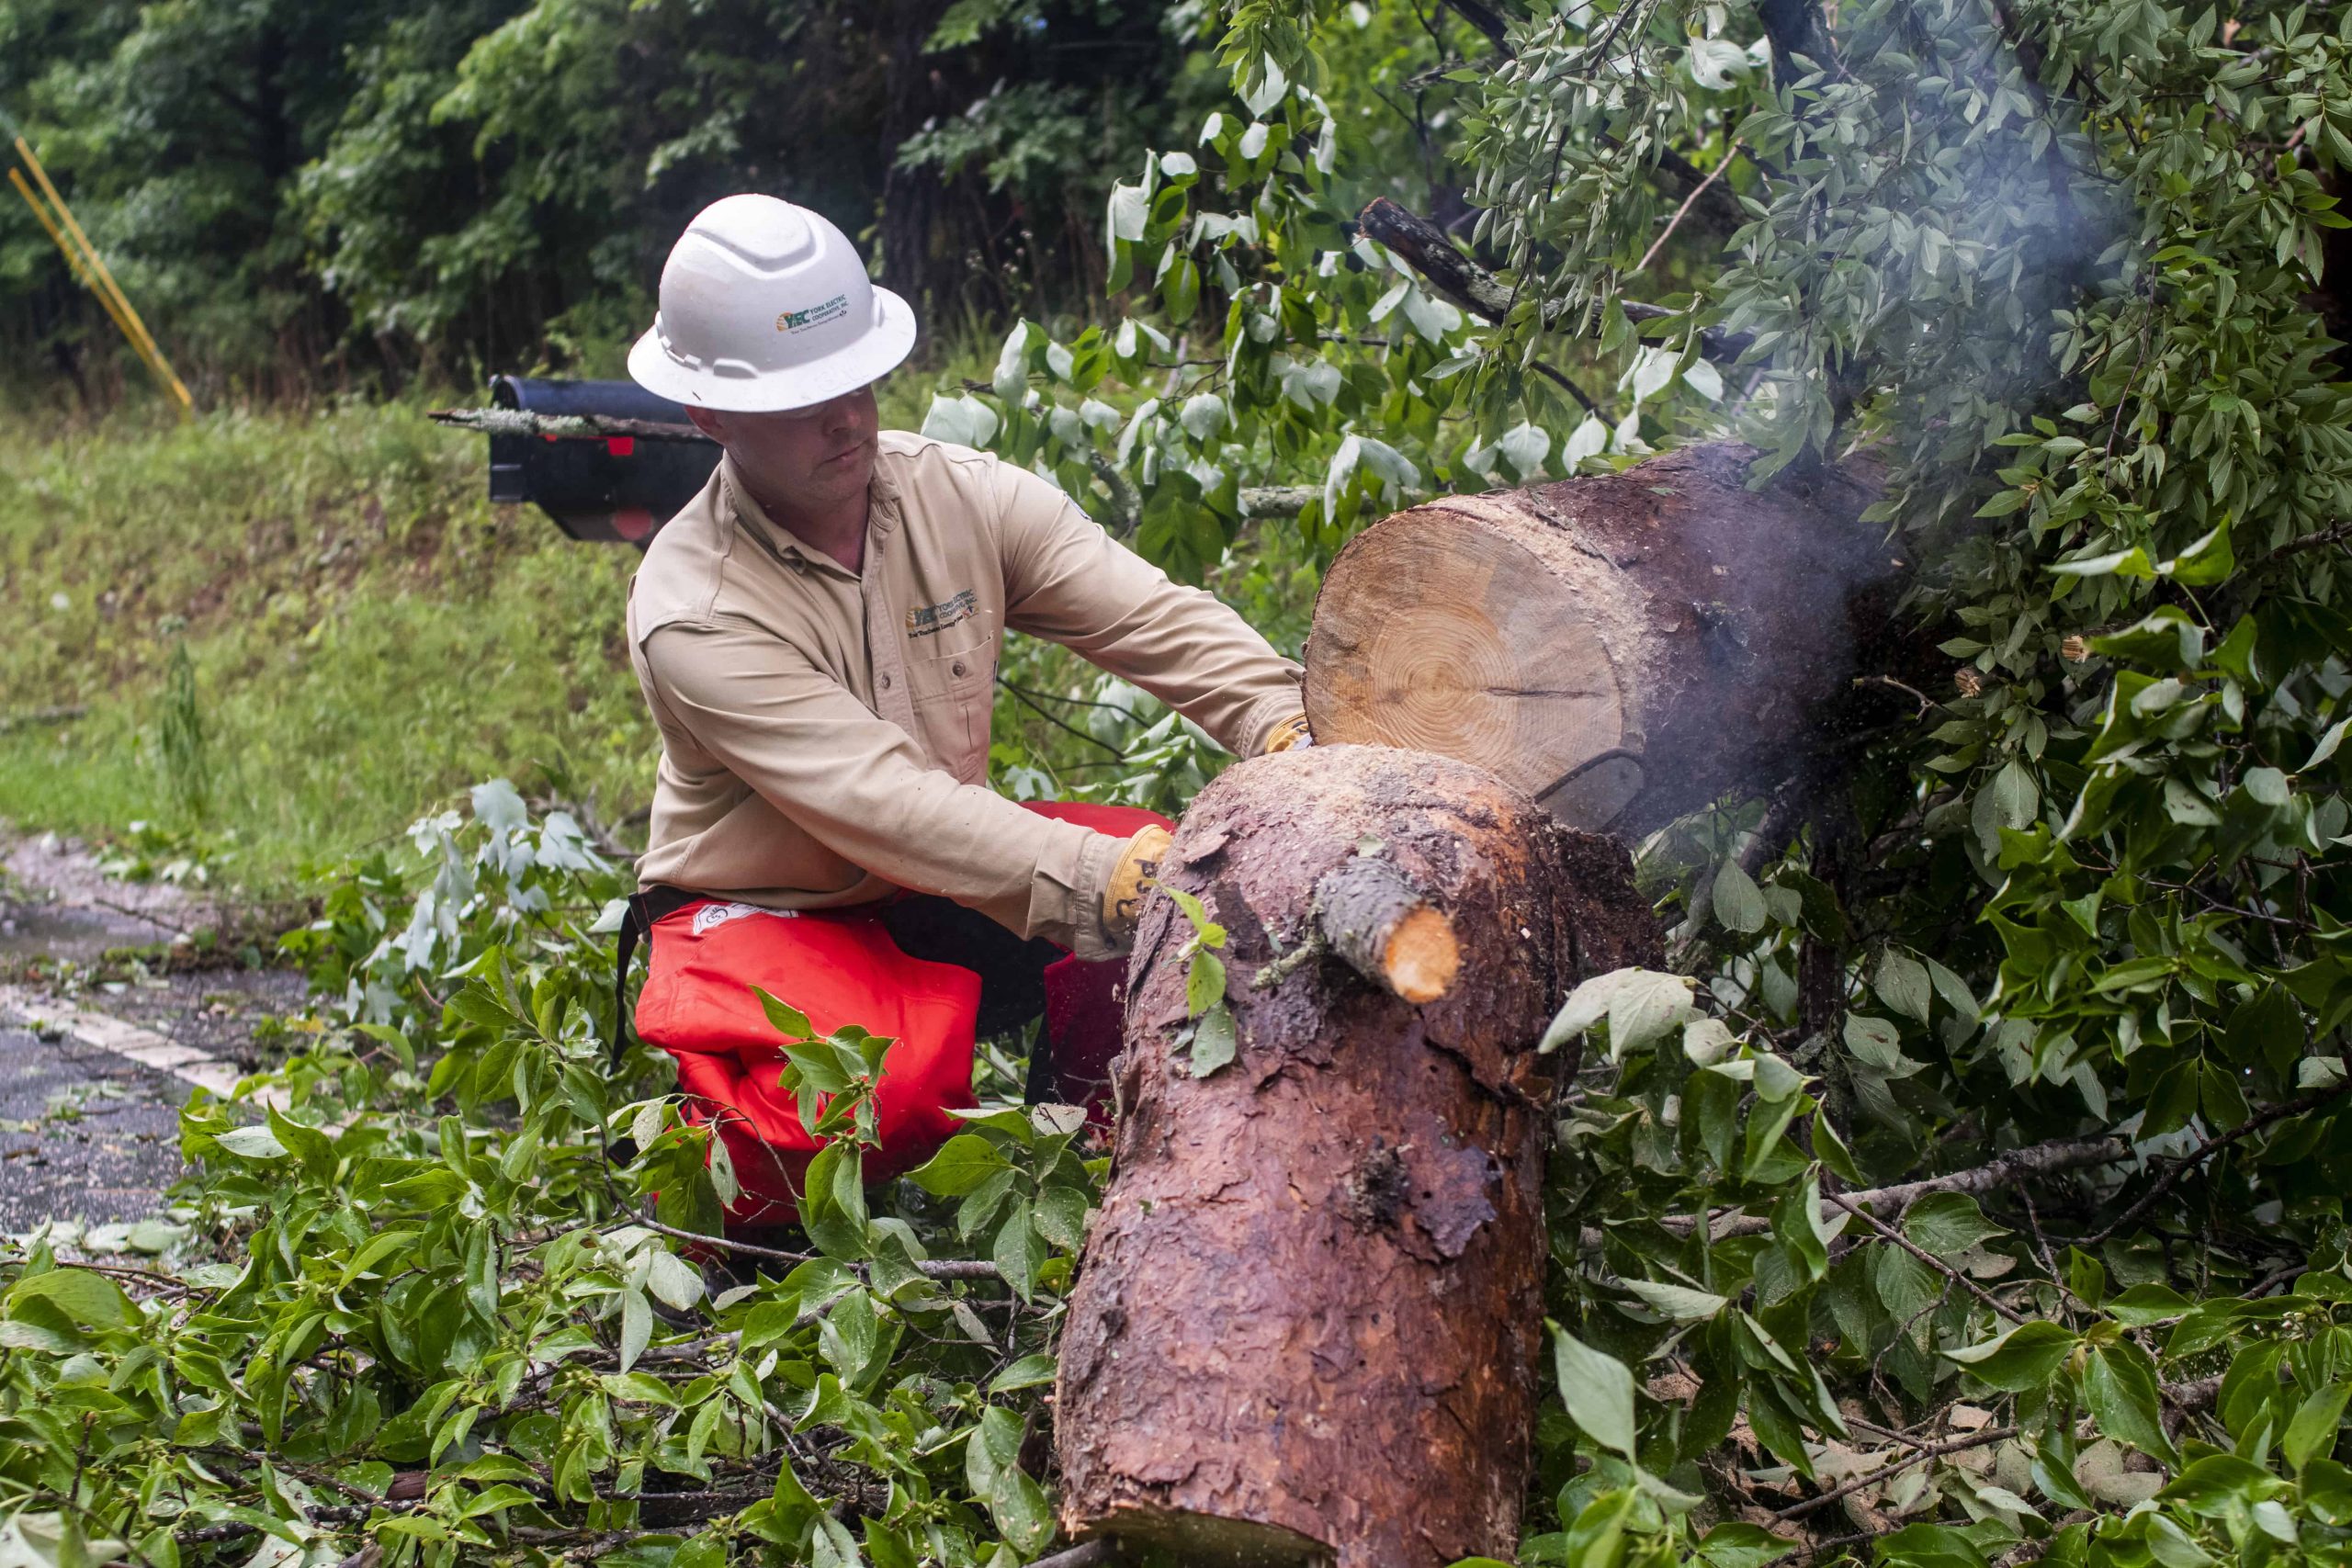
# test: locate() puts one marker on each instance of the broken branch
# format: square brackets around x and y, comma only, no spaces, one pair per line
[2040,1159]
[1385,928]
[1920,1455]
[1429,251]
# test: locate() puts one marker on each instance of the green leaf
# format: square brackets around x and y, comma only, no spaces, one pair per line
[2327,745]
[1902,984]
[992,1470]
[1945,1224]
[2326,1489]
[833,1205]
[313,1147]
[1015,1252]
[849,1335]
[1030,1371]
[672,1281]
[89,1299]
[2019,1360]
[1775,1079]
[1762,1142]
[788,1020]
[962,1164]
[2015,798]
[2132,562]
[2213,1484]
[1927,1545]
[1907,1287]
[2312,1432]
[1875,1042]
[1738,903]
[1679,1303]
[2168,640]
[637,1326]
[2120,1387]
[1060,1216]
[1212,1038]
[2209,560]
[1598,1391]
[1203,983]
[252,1142]
[1180,291]
[1210,933]
[1737,1544]
[376,1248]
[1642,1005]
[2147,1302]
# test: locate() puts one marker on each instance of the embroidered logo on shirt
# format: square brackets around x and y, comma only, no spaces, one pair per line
[934,618]
[711,914]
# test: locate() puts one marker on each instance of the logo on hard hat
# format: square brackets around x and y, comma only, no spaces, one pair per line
[832,309]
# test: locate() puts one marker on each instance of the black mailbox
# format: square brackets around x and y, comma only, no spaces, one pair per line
[622,488]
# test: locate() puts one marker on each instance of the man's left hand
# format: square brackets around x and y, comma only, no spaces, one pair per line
[1289,736]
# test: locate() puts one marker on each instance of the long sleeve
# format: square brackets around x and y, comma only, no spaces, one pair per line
[1069,582]
[739,696]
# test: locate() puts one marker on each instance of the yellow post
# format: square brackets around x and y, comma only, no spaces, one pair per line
[74,265]
[140,337]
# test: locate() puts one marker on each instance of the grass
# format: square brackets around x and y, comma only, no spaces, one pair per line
[362,634]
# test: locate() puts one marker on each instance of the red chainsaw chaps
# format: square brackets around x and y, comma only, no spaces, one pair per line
[840,967]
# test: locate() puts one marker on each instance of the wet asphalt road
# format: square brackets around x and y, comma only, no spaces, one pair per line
[84,1135]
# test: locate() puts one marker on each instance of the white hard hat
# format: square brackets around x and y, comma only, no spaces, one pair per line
[766,307]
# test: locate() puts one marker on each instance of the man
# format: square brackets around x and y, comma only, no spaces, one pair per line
[817,635]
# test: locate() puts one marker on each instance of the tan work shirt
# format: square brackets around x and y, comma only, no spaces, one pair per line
[825,732]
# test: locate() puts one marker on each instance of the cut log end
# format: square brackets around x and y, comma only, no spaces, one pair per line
[1624,647]
[1449,636]
[1422,956]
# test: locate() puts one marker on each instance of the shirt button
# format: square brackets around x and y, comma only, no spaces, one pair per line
[956,668]
[885,682]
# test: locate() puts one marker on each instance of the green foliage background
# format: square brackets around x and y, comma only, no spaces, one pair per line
[1974,1190]
[302,197]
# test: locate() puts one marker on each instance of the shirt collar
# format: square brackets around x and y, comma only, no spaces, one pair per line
[881,517]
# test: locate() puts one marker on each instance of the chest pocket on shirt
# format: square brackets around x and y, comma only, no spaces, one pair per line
[952,688]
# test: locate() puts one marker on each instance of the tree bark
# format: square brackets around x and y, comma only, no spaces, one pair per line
[912,198]
[1307,1317]
[1624,647]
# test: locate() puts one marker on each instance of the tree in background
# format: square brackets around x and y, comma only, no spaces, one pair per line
[302,194]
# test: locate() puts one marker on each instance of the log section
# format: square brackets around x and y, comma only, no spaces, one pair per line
[1307,1317]
[1624,647]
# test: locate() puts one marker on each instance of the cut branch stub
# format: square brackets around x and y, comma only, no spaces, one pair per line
[1307,1320]
[1385,928]
[1624,646]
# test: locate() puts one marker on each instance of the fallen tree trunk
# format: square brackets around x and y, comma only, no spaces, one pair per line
[1308,1317]
[1625,647]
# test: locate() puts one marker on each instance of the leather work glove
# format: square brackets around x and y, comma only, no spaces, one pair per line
[1136,872]
[1290,733]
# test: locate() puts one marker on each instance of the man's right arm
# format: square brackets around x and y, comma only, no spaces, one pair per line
[856,784]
